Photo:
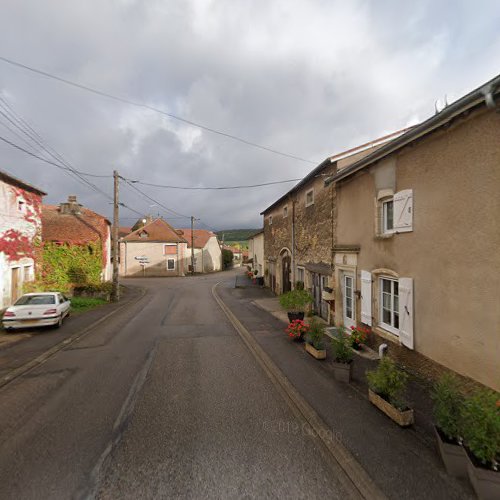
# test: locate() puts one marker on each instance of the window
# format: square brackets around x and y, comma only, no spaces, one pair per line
[170,264]
[300,274]
[285,212]
[270,220]
[388,216]
[28,273]
[389,305]
[348,298]
[21,206]
[309,197]
[170,249]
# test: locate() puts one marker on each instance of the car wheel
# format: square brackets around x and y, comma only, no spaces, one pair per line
[59,322]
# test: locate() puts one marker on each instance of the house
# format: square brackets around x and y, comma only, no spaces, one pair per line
[123,231]
[20,226]
[154,249]
[237,254]
[299,230]
[71,224]
[207,251]
[256,252]
[417,246]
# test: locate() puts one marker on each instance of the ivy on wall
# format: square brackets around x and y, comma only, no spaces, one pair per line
[61,266]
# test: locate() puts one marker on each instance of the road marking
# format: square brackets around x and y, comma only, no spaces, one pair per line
[42,358]
[350,473]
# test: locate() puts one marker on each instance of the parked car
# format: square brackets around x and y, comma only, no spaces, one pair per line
[37,309]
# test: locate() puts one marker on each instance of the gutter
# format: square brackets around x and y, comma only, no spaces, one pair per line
[485,93]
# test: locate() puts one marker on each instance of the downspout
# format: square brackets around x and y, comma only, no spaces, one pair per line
[293,244]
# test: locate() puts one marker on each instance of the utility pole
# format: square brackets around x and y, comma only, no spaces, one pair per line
[192,245]
[115,293]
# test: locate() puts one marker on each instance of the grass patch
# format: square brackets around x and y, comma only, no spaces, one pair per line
[82,304]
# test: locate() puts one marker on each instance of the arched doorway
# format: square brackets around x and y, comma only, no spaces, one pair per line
[286,267]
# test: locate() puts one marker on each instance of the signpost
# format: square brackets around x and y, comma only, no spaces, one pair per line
[143,261]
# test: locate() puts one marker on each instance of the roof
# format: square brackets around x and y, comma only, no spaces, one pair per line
[260,231]
[201,237]
[78,229]
[157,230]
[343,159]
[483,95]
[124,230]
[9,179]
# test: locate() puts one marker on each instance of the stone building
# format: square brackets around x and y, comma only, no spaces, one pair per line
[299,231]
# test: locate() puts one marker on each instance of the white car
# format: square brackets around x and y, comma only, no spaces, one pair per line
[37,309]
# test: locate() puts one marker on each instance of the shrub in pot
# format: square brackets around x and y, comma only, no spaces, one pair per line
[359,336]
[297,329]
[295,303]
[481,433]
[387,386]
[315,339]
[448,415]
[342,355]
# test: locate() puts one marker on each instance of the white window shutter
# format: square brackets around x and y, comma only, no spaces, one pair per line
[366,298]
[406,312]
[403,211]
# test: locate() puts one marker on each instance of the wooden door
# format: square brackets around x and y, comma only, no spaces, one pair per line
[15,284]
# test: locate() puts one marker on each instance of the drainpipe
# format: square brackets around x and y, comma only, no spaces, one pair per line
[293,244]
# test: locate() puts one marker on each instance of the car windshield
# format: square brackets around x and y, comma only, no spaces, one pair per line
[33,300]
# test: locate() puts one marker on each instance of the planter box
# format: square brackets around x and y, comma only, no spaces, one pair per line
[402,418]
[315,353]
[295,315]
[486,482]
[342,371]
[453,455]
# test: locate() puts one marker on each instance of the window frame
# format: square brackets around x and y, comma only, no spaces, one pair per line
[285,211]
[171,245]
[384,215]
[270,220]
[311,192]
[394,310]
[301,270]
[174,265]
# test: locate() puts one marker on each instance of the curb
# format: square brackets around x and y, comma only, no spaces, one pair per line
[42,358]
[349,472]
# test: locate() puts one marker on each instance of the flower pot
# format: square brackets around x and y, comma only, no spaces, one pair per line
[315,353]
[453,455]
[402,418]
[292,316]
[342,371]
[486,482]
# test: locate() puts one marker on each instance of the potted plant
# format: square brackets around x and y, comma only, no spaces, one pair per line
[314,340]
[387,385]
[297,329]
[342,356]
[295,303]
[481,433]
[359,335]
[448,415]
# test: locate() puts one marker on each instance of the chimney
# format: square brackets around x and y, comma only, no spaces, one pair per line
[71,206]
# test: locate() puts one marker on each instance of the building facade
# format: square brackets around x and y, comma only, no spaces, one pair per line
[256,253]
[207,250]
[20,232]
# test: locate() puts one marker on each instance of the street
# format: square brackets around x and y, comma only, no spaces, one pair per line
[163,400]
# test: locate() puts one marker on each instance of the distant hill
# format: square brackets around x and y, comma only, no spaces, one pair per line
[236,234]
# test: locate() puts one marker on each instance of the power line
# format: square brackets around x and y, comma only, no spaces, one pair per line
[156,110]
[214,188]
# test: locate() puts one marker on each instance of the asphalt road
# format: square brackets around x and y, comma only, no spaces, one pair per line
[162,401]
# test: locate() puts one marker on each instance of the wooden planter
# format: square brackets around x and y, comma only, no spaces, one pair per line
[402,418]
[486,482]
[315,353]
[342,371]
[453,455]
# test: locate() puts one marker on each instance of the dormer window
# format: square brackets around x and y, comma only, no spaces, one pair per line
[143,234]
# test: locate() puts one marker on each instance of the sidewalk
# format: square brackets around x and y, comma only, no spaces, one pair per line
[403,462]
[19,348]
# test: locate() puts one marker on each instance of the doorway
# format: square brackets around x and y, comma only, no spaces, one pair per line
[15,284]
[286,265]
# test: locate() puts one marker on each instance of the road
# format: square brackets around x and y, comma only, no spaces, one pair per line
[162,401]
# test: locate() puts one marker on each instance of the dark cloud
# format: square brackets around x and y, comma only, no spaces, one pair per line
[310,78]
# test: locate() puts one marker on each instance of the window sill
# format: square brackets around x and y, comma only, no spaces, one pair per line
[387,236]
[391,337]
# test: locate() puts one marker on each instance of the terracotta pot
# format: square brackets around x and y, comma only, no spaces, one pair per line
[315,353]
[453,455]
[486,482]
[342,371]
[402,418]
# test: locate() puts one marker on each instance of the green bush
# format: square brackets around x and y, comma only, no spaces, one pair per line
[316,333]
[341,346]
[448,406]
[299,285]
[227,258]
[81,304]
[295,300]
[389,382]
[93,288]
[481,430]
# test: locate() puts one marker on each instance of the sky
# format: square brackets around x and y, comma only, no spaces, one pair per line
[308,78]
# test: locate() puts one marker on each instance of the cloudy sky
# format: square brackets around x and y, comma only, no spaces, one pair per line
[308,78]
